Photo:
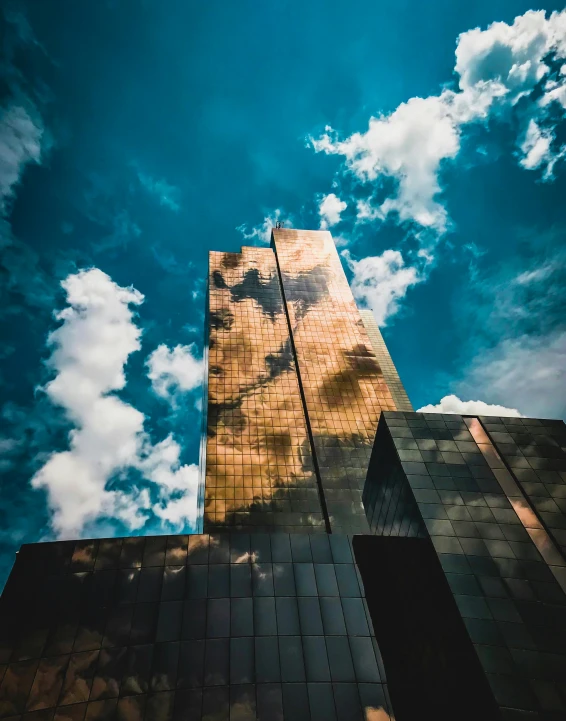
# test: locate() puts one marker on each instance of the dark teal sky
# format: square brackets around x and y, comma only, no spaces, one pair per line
[157,129]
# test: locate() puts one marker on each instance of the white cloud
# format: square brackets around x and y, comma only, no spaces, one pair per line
[176,370]
[20,144]
[330,208]
[536,149]
[527,371]
[262,232]
[453,404]
[381,282]
[496,67]
[407,145]
[168,195]
[555,90]
[89,352]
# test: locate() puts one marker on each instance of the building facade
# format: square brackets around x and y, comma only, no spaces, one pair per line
[482,502]
[183,628]
[343,574]
[295,390]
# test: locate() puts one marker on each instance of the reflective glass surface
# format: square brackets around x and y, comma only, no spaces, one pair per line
[248,626]
[467,485]
[259,468]
[343,385]
[294,390]
[385,361]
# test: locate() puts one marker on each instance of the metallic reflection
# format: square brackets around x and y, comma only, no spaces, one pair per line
[259,466]
[543,542]
[343,384]
[260,469]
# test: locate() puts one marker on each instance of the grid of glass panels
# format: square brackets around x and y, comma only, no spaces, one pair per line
[183,628]
[259,468]
[535,452]
[511,603]
[385,361]
[343,384]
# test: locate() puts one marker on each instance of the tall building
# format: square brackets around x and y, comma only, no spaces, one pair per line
[295,390]
[343,574]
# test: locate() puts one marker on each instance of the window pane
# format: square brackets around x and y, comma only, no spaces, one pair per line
[316,661]
[242,660]
[321,702]
[267,659]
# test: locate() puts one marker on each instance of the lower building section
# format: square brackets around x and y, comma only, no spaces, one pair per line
[462,498]
[432,669]
[184,628]
[453,609]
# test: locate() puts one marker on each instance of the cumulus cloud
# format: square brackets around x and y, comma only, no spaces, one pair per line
[330,208]
[90,349]
[174,371]
[20,144]
[381,282]
[453,404]
[262,232]
[536,150]
[496,67]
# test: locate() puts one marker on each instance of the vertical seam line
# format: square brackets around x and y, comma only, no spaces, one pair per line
[303,399]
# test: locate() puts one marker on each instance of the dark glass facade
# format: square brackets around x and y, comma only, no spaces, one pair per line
[184,628]
[465,492]
[429,585]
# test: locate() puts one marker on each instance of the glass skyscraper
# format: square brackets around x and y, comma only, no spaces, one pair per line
[295,390]
[356,561]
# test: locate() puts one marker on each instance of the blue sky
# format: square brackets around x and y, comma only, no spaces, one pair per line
[135,135]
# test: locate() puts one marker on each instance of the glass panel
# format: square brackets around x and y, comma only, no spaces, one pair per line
[130,708]
[316,661]
[174,580]
[138,668]
[287,616]
[291,657]
[242,703]
[310,617]
[321,702]
[242,660]
[111,667]
[296,701]
[267,659]
[191,664]
[270,702]
[218,618]
[216,662]
[305,579]
[78,679]
[165,664]
[241,617]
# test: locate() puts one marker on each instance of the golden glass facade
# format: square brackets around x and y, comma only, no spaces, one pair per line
[294,390]
[259,466]
[385,362]
[343,385]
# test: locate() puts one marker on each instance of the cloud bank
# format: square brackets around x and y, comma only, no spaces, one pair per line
[453,404]
[90,350]
[496,68]
[381,282]
[174,371]
[330,208]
